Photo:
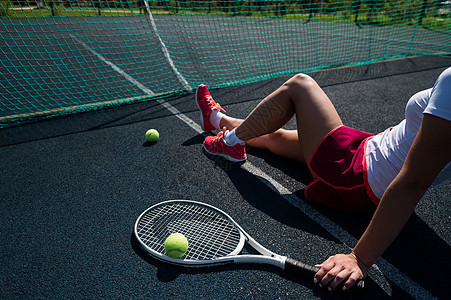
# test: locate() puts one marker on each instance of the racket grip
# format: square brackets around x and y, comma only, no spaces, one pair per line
[297,267]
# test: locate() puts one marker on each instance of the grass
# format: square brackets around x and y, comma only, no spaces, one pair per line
[61,11]
[432,22]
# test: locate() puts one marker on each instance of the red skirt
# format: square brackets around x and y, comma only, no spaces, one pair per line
[339,166]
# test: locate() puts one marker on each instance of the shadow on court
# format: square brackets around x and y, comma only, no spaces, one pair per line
[72,188]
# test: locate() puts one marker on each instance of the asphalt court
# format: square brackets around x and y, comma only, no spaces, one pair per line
[72,187]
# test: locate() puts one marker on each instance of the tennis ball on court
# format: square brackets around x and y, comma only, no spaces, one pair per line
[176,245]
[152,135]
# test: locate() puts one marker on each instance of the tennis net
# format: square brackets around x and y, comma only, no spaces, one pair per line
[61,57]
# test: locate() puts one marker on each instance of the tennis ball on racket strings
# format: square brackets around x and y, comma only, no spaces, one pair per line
[152,135]
[176,245]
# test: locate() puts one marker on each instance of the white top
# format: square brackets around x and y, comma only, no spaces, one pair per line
[386,153]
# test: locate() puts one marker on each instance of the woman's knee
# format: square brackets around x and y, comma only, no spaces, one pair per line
[302,79]
[300,82]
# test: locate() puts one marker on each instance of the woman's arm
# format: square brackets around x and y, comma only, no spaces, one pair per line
[429,154]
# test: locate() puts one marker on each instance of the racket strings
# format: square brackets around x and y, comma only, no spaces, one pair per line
[202,230]
[148,230]
[209,233]
[212,240]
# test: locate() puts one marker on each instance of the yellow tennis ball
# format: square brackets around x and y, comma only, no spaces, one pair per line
[176,245]
[152,135]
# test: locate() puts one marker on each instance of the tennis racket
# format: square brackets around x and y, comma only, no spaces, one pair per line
[213,236]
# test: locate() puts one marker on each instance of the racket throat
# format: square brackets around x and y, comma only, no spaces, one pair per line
[267,256]
[274,260]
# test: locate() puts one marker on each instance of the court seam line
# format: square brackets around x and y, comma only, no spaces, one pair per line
[394,274]
[399,278]
[114,67]
[166,54]
[383,266]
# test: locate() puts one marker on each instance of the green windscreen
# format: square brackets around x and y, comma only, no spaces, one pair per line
[59,57]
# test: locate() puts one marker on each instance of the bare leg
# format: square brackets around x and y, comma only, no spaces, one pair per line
[301,96]
[282,142]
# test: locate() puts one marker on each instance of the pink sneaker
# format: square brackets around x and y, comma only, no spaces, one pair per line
[206,105]
[215,145]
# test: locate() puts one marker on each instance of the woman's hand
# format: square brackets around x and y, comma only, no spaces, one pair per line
[339,269]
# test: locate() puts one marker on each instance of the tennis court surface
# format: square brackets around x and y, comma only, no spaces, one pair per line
[82,82]
[72,188]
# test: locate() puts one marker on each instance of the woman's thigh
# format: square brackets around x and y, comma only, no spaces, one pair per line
[316,116]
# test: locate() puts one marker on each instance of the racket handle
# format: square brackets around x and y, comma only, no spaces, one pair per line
[294,266]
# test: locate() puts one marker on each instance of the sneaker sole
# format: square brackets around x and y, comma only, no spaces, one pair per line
[229,158]
[201,116]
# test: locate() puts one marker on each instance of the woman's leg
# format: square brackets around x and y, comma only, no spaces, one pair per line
[300,96]
[282,142]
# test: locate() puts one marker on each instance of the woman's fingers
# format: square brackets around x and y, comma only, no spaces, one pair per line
[339,270]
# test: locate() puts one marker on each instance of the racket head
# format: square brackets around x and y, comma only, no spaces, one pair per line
[212,234]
